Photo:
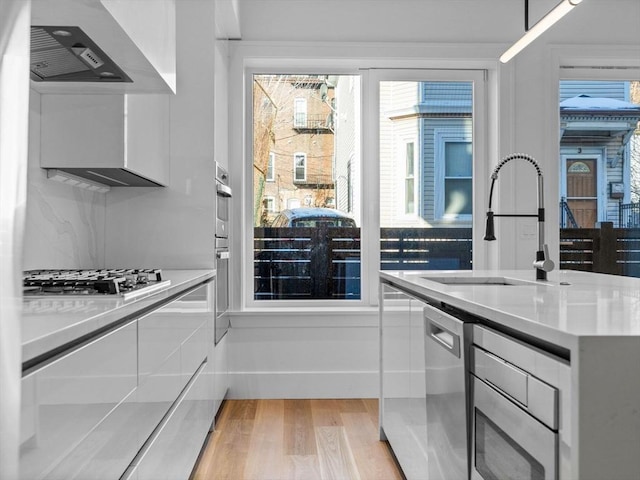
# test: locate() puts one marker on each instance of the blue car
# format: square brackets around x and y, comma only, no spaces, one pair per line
[312,217]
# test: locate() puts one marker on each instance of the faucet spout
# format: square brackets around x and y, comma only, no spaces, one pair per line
[542,263]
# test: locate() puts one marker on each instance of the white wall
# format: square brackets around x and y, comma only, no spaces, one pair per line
[173,227]
[269,358]
[64,226]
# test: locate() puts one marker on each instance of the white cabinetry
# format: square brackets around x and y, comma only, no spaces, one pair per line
[172,453]
[137,399]
[116,140]
[68,408]
[403,412]
[220,373]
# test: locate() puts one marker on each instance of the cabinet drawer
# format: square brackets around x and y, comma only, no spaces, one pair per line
[172,453]
[64,402]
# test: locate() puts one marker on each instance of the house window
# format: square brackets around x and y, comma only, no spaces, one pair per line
[293,203]
[270,204]
[271,168]
[458,180]
[299,167]
[453,173]
[409,179]
[300,112]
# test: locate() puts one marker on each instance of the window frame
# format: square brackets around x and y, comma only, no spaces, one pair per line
[298,102]
[414,177]
[467,69]
[442,137]
[270,175]
[296,156]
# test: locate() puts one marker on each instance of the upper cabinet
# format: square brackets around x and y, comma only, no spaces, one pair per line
[114,140]
[103,46]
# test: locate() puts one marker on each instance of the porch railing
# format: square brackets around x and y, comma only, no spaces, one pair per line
[629,215]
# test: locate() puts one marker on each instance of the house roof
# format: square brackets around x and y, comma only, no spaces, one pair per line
[587,103]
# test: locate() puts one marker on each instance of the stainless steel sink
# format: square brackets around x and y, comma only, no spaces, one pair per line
[479,281]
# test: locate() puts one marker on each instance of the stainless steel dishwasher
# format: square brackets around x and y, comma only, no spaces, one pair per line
[446,344]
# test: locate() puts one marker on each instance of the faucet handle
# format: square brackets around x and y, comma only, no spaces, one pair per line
[543,262]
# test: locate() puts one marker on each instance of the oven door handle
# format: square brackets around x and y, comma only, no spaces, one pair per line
[223,255]
[223,190]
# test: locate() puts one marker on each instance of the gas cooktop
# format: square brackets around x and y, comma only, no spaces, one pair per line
[123,282]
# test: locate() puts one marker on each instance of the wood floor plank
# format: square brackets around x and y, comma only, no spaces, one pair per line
[334,454]
[326,412]
[373,458]
[318,439]
[302,467]
[266,446]
[298,428]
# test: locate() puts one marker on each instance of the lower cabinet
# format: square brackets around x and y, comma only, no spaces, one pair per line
[220,369]
[143,392]
[174,447]
[403,412]
[72,408]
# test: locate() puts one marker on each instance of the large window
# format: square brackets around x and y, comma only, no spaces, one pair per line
[394,193]
[309,250]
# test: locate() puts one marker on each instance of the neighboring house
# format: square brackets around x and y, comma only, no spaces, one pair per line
[293,143]
[347,145]
[426,154]
[597,121]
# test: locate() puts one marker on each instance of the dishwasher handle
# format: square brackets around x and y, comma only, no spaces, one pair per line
[442,336]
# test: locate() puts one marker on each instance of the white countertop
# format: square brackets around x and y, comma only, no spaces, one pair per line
[49,322]
[570,306]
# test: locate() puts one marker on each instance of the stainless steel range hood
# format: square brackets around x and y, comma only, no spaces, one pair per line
[67,54]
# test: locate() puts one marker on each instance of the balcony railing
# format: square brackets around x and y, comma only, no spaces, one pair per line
[319,122]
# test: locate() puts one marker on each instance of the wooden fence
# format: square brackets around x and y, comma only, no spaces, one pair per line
[324,262]
[602,250]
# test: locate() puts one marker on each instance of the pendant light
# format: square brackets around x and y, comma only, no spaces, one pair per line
[559,11]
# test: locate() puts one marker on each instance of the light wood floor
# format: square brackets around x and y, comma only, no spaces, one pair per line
[297,439]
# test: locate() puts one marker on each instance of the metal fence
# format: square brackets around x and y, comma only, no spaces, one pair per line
[324,262]
[629,215]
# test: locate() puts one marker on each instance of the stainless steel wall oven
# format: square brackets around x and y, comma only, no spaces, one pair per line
[223,203]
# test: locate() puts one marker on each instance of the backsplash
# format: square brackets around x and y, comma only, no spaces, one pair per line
[64,225]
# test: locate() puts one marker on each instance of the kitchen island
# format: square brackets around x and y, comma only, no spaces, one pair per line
[590,321]
[111,386]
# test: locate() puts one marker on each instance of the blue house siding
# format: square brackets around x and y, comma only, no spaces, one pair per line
[614,89]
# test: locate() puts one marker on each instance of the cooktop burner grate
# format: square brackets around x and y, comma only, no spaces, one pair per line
[123,282]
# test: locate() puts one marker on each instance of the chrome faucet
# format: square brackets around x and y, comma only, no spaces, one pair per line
[542,263]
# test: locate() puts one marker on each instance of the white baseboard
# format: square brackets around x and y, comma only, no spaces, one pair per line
[254,385]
